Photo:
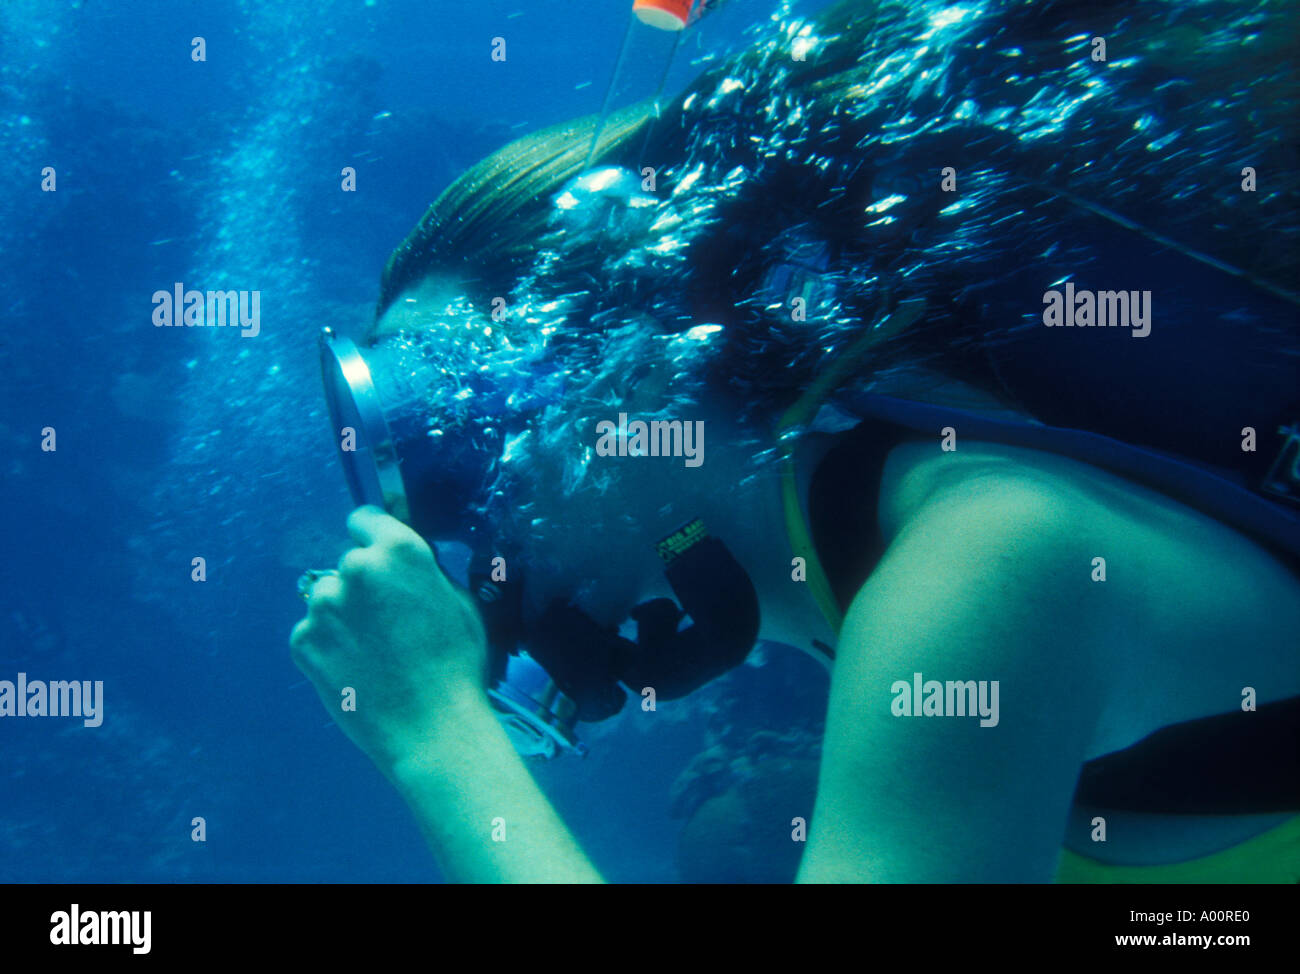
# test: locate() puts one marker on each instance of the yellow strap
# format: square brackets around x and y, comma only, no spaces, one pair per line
[802,413]
[1271,857]
[802,545]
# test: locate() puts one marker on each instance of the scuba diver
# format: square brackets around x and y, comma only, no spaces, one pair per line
[1054,568]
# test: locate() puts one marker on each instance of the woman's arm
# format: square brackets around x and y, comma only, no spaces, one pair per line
[987,581]
[399,659]
[483,815]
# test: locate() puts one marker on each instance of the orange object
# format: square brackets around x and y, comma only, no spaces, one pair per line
[664,14]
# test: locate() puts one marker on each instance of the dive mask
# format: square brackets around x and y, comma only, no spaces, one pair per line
[562,667]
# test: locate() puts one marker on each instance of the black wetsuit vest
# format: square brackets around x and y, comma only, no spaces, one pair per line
[1234,763]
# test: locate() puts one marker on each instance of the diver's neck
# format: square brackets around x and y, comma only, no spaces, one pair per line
[759,537]
[741,505]
[754,531]
[789,614]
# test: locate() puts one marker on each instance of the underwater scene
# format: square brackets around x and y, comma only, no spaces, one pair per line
[650,441]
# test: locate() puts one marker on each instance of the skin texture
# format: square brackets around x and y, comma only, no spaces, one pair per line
[948,601]
[986,577]
[392,627]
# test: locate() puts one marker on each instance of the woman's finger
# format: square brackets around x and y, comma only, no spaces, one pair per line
[373,528]
[356,562]
[369,525]
[308,642]
[324,595]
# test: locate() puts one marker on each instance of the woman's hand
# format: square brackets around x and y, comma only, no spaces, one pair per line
[391,627]
[412,648]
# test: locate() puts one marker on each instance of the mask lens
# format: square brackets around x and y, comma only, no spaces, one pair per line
[379,409]
[365,445]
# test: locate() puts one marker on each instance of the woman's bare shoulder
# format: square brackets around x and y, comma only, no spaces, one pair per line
[1186,610]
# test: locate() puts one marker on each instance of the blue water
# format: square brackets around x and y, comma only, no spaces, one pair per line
[174,444]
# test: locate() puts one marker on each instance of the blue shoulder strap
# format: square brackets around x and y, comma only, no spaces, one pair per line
[1215,492]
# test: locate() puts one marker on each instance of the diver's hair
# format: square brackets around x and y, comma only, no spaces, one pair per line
[821,177]
[489,225]
[485,225]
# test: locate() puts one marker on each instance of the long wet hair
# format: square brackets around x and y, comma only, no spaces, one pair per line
[881,153]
